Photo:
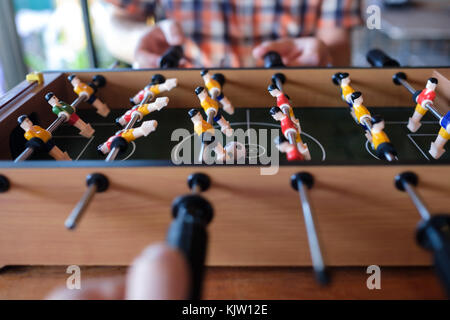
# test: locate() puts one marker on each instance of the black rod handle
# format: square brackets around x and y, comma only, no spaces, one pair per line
[434,234]
[273,60]
[380,59]
[171,58]
[188,233]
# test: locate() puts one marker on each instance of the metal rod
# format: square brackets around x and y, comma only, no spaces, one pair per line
[407,86]
[112,155]
[417,200]
[195,189]
[279,84]
[78,101]
[210,116]
[81,207]
[209,119]
[292,139]
[202,151]
[434,112]
[24,155]
[313,239]
[56,124]
[92,54]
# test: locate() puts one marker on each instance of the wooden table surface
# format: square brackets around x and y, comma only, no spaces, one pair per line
[247,283]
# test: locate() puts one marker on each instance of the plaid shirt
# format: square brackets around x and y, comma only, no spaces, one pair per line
[224,32]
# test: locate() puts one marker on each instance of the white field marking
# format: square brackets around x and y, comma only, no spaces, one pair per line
[417,146]
[131,153]
[101,124]
[369,150]
[69,137]
[406,122]
[324,154]
[84,149]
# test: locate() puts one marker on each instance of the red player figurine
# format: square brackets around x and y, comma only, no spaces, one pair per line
[283,102]
[426,96]
[290,131]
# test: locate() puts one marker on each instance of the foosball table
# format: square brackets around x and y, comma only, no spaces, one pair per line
[322,179]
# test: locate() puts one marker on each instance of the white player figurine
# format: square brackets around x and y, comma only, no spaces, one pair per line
[142,110]
[129,135]
[157,85]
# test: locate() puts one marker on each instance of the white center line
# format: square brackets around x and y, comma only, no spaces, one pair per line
[417,146]
[85,147]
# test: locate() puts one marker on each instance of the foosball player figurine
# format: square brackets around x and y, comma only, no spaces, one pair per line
[380,141]
[88,91]
[62,109]
[422,98]
[437,147]
[40,139]
[290,131]
[342,79]
[215,84]
[283,103]
[211,108]
[142,110]
[200,125]
[292,153]
[123,137]
[157,85]
[362,115]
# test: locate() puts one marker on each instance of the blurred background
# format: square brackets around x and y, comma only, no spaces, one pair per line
[75,34]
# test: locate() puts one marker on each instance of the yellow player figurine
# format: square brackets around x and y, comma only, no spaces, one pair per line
[200,125]
[142,110]
[41,139]
[129,135]
[88,91]
[211,106]
[437,147]
[423,97]
[157,85]
[342,79]
[214,85]
[380,141]
[362,115]
[346,88]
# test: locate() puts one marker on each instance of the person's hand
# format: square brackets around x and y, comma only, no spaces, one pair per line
[155,42]
[296,52]
[159,273]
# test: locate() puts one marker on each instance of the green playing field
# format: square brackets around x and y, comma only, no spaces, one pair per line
[330,133]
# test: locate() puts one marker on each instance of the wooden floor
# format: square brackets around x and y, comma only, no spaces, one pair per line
[247,283]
